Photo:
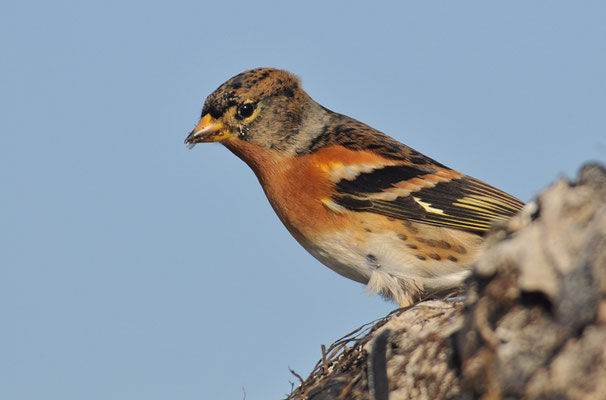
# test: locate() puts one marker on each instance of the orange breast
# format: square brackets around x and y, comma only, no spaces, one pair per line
[295,187]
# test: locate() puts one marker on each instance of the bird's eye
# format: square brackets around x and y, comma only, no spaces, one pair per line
[246,110]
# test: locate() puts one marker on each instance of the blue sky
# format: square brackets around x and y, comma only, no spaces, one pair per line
[131,267]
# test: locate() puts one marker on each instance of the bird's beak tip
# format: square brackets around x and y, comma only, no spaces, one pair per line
[207,130]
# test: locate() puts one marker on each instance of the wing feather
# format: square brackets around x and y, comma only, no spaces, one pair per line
[436,196]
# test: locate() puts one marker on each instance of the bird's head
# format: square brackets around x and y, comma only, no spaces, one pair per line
[263,106]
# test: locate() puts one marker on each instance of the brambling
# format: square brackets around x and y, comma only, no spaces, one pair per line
[367,206]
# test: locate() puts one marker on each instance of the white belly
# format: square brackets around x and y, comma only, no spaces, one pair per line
[386,264]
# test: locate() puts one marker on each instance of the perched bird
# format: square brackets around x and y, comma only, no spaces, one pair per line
[367,206]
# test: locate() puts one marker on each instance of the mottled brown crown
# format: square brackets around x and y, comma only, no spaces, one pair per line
[250,85]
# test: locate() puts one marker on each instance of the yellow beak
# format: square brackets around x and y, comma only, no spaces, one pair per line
[208,130]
